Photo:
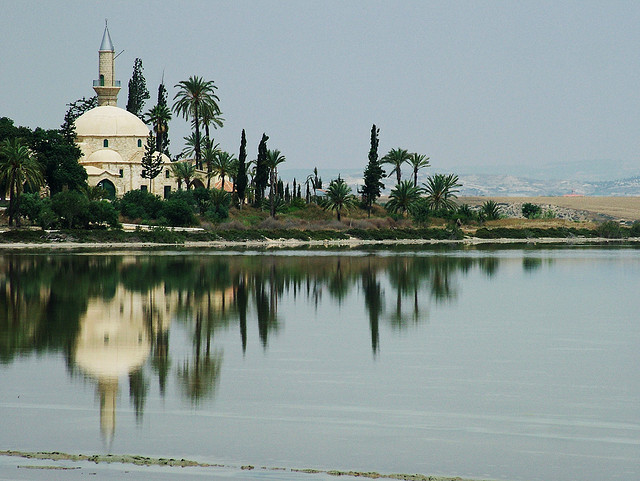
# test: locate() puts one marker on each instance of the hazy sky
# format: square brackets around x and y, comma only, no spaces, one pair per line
[467,83]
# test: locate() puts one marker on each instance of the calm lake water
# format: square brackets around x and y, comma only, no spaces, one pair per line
[510,364]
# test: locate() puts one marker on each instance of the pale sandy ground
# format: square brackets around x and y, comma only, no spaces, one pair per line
[621,208]
[48,466]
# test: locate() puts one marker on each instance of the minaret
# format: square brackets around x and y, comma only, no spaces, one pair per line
[107,87]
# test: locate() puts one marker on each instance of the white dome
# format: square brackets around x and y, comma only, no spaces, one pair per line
[109,121]
[103,156]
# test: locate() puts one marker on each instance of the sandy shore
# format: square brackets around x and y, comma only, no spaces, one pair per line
[294,243]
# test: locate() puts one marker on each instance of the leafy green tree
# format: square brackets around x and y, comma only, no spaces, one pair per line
[220,202]
[531,211]
[261,178]
[183,171]
[274,158]
[72,207]
[339,197]
[417,162]
[440,190]
[373,174]
[194,96]
[140,204]
[152,163]
[396,157]
[241,176]
[159,117]
[75,110]
[223,166]
[59,161]
[138,92]
[17,168]
[177,210]
[403,197]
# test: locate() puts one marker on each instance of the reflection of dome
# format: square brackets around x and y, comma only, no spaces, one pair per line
[104,155]
[109,121]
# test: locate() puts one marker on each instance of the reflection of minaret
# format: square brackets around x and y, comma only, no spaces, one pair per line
[108,390]
[107,87]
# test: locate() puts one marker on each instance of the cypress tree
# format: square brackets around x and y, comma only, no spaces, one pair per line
[138,92]
[151,164]
[373,174]
[262,170]
[241,176]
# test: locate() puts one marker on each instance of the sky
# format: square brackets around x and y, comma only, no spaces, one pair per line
[468,83]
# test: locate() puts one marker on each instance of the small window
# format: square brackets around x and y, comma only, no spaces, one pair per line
[167,174]
[121,173]
[101,80]
[143,188]
[105,143]
[139,143]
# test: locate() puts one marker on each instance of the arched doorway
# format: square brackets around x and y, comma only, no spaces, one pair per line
[108,186]
[197,183]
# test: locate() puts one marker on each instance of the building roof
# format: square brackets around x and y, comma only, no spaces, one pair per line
[107,44]
[109,121]
[104,156]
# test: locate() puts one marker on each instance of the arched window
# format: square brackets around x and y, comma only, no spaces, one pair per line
[107,185]
[101,80]
[105,143]
[139,143]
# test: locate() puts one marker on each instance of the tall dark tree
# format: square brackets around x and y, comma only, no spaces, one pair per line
[138,92]
[152,163]
[373,173]
[261,178]
[241,176]
[75,110]
[59,160]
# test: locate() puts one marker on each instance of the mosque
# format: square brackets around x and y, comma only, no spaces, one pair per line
[113,140]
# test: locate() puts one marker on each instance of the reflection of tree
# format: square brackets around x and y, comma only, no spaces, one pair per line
[530,264]
[199,377]
[374,305]
[138,390]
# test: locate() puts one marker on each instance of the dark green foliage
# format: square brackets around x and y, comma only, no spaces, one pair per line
[531,211]
[421,212]
[219,207]
[76,109]
[140,204]
[373,174]
[59,160]
[635,229]
[261,178]
[609,230]
[103,212]
[490,210]
[201,198]
[465,214]
[138,92]
[177,211]
[510,233]
[72,207]
[241,176]
[152,163]
[30,206]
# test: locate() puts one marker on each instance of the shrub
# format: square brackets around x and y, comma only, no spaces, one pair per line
[635,229]
[72,208]
[140,204]
[420,212]
[609,230]
[30,206]
[490,210]
[202,199]
[103,212]
[177,212]
[219,207]
[531,211]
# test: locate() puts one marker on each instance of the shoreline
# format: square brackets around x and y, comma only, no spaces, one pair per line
[296,243]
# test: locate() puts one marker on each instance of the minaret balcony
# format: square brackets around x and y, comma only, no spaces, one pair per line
[100,83]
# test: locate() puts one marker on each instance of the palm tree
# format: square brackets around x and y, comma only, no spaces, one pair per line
[403,197]
[274,158]
[17,168]
[190,145]
[211,152]
[417,162]
[339,197]
[159,117]
[193,97]
[441,191]
[490,210]
[222,166]
[184,172]
[396,157]
[210,116]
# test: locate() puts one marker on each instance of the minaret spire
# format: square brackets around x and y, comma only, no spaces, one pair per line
[107,87]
